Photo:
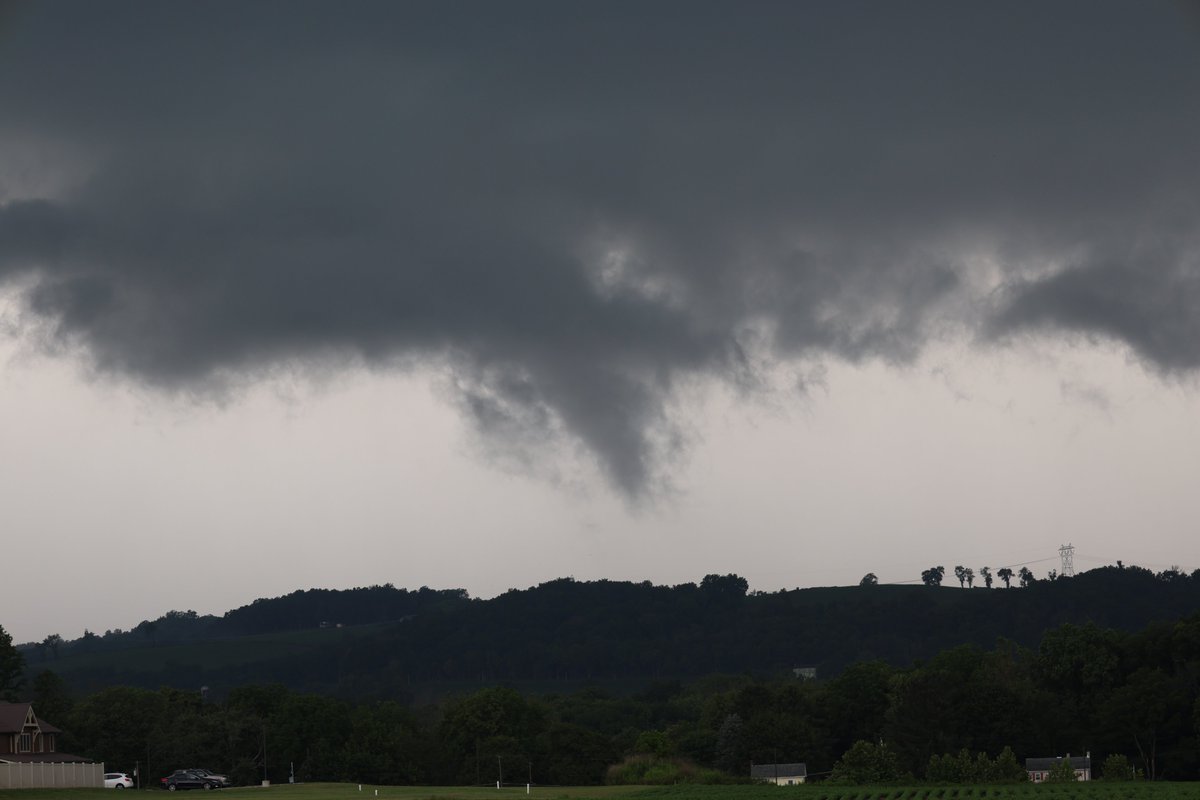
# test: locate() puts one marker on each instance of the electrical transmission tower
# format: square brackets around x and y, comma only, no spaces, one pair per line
[1067,553]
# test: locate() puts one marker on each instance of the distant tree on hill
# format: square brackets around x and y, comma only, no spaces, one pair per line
[970,576]
[1172,574]
[724,585]
[1005,574]
[987,576]
[149,629]
[960,572]
[52,643]
[933,576]
[869,580]
[12,667]
[1026,576]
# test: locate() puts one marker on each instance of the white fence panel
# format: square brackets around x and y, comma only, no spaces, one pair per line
[42,775]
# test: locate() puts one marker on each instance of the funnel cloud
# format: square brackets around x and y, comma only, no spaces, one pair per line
[580,209]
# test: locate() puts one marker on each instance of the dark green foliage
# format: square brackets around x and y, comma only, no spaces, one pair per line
[730,746]
[50,696]
[647,770]
[1117,768]
[566,634]
[12,668]
[1008,769]
[1082,687]
[1062,772]
[867,763]
[975,768]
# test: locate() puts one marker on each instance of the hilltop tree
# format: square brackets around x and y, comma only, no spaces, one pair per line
[960,572]
[52,643]
[933,576]
[987,576]
[1026,575]
[87,643]
[869,580]
[1005,574]
[149,629]
[12,667]
[969,574]
[724,586]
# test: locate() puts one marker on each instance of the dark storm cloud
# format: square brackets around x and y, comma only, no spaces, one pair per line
[579,206]
[1154,308]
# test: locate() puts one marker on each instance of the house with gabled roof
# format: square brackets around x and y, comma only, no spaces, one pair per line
[29,755]
[1039,769]
[779,774]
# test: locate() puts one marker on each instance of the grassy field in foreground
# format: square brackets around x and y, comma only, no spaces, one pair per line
[350,791]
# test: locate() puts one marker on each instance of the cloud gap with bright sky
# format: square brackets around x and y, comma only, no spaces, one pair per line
[484,294]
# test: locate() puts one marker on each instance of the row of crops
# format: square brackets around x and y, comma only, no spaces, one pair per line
[1096,790]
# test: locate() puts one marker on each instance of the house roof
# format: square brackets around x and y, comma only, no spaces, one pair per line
[770,771]
[13,716]
[1047,764]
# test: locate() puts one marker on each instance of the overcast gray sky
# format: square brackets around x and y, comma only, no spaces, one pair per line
[479,294]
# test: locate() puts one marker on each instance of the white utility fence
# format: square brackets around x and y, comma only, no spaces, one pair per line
[42,775]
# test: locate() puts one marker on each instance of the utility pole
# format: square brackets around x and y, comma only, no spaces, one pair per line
[1067,554]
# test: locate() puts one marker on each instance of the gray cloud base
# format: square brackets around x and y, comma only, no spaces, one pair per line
[579,206]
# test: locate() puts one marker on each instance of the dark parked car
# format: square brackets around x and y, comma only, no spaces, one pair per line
[187,779]
[208,773]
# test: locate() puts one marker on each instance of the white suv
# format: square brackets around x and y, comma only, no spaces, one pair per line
[117,780]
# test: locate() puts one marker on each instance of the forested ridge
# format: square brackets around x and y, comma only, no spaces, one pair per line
[1112,670]
[393,642]
[1127,699]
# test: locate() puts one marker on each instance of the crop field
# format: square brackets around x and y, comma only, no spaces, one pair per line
[350,791]
[1020,791]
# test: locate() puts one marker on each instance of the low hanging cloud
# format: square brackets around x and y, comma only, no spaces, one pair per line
[1150,305]
[579,208]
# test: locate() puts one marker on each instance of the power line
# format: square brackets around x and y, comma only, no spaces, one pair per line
[1113,561]
[1027,563]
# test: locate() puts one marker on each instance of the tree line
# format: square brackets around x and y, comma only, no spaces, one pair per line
[1134,697]
[966,576]
[566,633]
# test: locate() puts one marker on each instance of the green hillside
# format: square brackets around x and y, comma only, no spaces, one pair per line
[566,633]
